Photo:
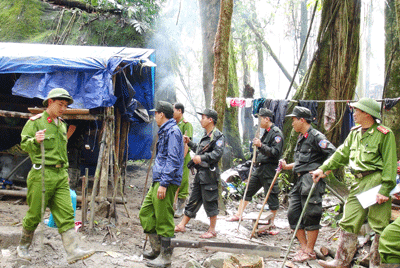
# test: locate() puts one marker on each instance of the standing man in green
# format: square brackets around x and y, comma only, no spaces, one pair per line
[186,129]
[50,129]
[370,151]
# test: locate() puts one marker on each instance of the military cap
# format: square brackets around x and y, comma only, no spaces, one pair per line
[58,93]
[210,113]
[164,107]
[369,106]
[300,112]
[265,112]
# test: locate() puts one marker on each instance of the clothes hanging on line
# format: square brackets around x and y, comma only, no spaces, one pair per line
[329,115]
[279,107]
[390,103]
[312,106]
[348,123]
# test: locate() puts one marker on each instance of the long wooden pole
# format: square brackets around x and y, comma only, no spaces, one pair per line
[278,170]
[253,160]
[149,167]
[96,176]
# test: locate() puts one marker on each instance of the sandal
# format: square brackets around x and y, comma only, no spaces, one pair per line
[302,256]
[208,235]
[179,229]
[234,218]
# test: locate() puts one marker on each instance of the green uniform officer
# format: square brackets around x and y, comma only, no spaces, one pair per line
[49,128]
[186,129]
[370,151]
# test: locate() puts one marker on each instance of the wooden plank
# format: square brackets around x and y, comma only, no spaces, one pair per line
[5,113]
[36,110]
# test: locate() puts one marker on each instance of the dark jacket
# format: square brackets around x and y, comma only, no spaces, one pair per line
[168,165]
[271,150]
[209,174]
[312,149]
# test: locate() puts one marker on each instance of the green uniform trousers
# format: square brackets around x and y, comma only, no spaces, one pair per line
[354,214]
[57,198]
[184,188]
[157,216]
[389,243]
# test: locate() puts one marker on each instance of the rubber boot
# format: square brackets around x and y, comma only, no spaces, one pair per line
[180,207]
[164,259]
[24,244]
[374,257]
[155,244]
[74,252]
[345,252]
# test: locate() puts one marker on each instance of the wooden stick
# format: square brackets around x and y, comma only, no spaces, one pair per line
[5,113]
[148,169]
[96,177]
[278,170]
[253,160]
[43,191]
[84,194]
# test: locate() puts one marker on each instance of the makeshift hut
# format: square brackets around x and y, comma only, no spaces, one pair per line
[112,87]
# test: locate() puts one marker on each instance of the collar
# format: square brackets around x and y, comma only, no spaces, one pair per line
[167,125]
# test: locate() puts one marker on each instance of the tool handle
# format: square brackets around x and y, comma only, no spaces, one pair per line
[185,243]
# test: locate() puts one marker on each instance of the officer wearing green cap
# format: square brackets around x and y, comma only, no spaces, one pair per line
[48,128]
[370,151]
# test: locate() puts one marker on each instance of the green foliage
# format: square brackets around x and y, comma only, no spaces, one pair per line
[20,19]
[284,183]
[331,218]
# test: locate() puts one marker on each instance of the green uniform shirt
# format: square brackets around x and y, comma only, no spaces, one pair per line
[373,150]
[55,142]
[186,126]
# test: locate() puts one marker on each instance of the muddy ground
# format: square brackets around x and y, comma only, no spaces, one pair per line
[124,246]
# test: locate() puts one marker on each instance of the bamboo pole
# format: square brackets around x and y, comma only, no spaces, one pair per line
[4,113]
[84,196]
[106,157]
[96,176]
[117,145]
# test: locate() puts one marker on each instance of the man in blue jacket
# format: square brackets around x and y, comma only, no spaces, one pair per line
[157,213]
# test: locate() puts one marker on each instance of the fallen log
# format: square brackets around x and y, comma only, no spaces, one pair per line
[23,193]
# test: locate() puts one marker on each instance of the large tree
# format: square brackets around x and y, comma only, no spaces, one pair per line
[333,71]
[392,59]
[209,14]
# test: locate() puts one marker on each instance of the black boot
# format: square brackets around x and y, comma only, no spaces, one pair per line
[24,244]
[164,259]
[155,244]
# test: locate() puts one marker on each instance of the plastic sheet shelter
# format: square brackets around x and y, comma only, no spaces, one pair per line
[87,73]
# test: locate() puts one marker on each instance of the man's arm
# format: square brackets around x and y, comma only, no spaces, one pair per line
[388,151]
[275,150]
[29,143]
[215,155]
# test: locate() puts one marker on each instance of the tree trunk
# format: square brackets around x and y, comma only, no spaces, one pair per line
[333,71]
[246,73]
[260,71]
[221,64]
[231,126]
[303,36]
[392,63]
[248,122]
[209,14]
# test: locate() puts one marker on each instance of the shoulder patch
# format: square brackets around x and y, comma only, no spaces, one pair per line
[323,144]
[355,127]
[278,139]
[33,118]
[383,129]
[185,121]
[219,143]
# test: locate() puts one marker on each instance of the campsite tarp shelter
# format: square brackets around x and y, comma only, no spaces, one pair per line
[92,75]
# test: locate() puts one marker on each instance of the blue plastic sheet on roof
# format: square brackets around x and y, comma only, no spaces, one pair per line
[84,71]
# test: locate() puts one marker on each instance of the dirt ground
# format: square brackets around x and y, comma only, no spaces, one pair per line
[121,244]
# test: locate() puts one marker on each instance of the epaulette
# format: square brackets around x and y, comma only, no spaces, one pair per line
[33,118]
[383,129]
[355,127]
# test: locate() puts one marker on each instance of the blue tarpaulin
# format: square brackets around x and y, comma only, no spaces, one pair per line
[86,72]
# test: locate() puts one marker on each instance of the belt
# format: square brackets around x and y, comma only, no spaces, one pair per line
[37,167]
[362,174]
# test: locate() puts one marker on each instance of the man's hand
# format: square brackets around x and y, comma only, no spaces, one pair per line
[161,192]
[186,139]
[317,175]
[196,159]
[380,199]
[40,135]
[257,142]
